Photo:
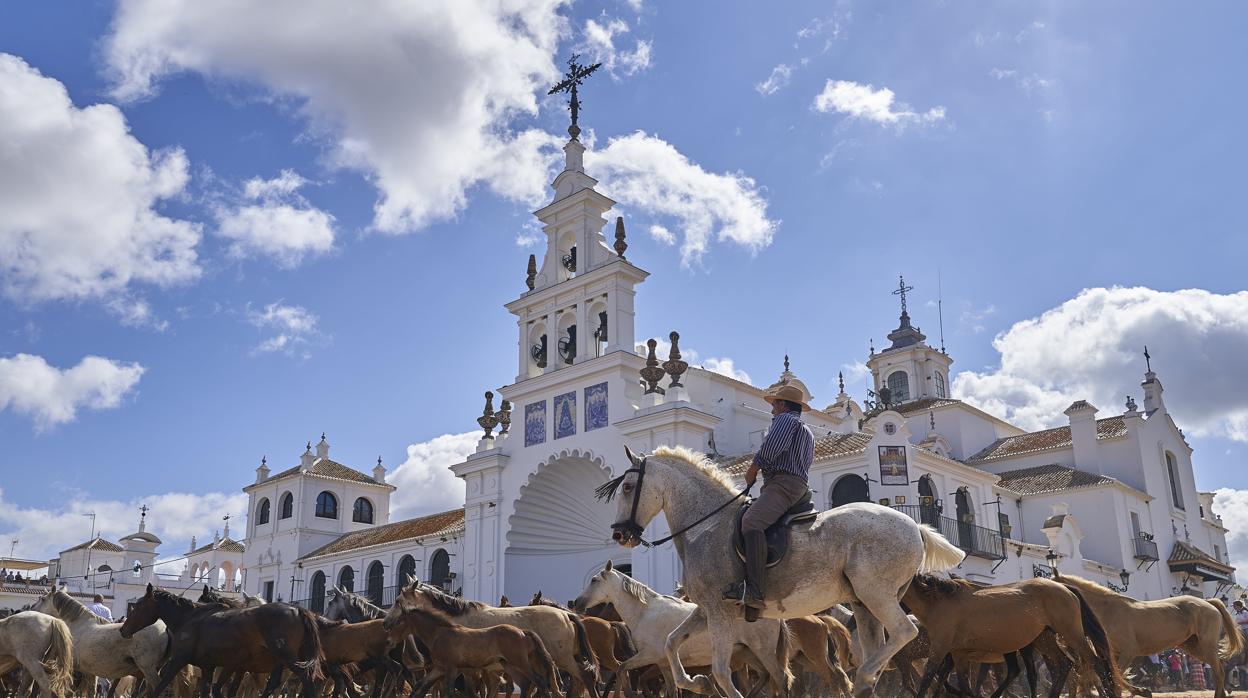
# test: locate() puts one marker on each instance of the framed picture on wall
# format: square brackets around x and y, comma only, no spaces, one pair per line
[893,470]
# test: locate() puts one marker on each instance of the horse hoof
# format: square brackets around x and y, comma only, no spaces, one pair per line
[864,691]
[703,685]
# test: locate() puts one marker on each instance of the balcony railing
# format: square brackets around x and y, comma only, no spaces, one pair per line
[1145,549]
[972,539]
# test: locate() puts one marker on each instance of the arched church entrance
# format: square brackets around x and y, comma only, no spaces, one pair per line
[850,488]
[559,527]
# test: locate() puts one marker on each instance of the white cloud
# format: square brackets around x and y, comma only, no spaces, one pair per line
[725,366]
[277,223]
[79,197]
[1027,83]
[425,482]
[173,516]
[859,101]
[662,235]
[291,327]
[972,318]
[1232,506]
[32,387]
[600,44]
[647,173]
[1090,348]
[135,312]
[721,365]
[780,76]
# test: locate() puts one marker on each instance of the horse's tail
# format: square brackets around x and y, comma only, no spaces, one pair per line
[58,659]
[1233,643]
[311,646]
[845,687]
[583,650]
[1111,676]
[625,647]
[544,664]
[783,642]
[938,553]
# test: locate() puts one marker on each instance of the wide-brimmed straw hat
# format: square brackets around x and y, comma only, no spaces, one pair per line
[791,393]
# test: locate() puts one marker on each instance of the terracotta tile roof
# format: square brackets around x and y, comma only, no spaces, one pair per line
[1187,553]
[1058,437]
[327,468]
[927,403]
[830,446]
[97,543]
[444,523]
[229,545]
[1049,478]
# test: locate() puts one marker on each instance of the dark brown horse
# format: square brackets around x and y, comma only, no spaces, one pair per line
[262,639]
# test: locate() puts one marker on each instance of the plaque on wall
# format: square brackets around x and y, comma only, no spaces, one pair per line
[535,423]
[596,407]
[893,469]
[565,415]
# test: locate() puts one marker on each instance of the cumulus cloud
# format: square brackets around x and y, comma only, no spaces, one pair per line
[1089,347]
[79,197]
[1027,83]
[290,327]
[647,173]
[1232,506]
[600,44]
[425,481]
[275,221]
[32,387]
[780,76]
[663,235]
[715,364]
[173,516]
[725,366]
[858,101]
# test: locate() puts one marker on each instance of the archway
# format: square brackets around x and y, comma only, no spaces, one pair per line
[346,578]
[407,568]
[376,582]
[558,524]
[316,593]
[927,501]
[440,569]
[850,488]
[966,517]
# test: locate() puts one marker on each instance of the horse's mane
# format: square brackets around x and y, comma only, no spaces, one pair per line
[362,605]
[450,605]
[176,600]
[698,461]
[72,609]
[539,600]
[1088,586]
[323,622]
[939,587]
[434,616]
[636,589]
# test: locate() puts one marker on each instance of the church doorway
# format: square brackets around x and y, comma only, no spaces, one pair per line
[407,568]
[927,501]
[316,597]
[850,488]
[376,582]
[440,571]
[966,518]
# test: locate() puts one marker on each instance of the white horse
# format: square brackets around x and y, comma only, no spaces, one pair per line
[651,617]
[99,648]
[861,554]
[41,645]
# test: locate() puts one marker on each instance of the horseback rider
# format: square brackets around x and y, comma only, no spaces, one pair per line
[784,460]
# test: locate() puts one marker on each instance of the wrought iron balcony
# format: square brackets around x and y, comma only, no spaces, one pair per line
[972,539]
[1145,548]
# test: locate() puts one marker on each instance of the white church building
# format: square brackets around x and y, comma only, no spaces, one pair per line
[1110,496]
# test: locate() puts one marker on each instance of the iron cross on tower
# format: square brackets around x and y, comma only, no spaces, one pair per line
[575,75]
[902,290]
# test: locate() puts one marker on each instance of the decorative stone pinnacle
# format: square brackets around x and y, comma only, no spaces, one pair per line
[840,381]
[378,461]
[871,343]
[674,367]
[652,373]
[322,436]
[504,416]
[1130,404]
[786,363]
[931,420]
[620,245]
[531,279]
[308,448]
[488,420]
[264,461]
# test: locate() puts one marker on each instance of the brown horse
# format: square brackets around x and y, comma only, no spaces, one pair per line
[366,643]
[821,645]
[1202,627]
[265,638]
[611,641]
[454,649]
[967,623]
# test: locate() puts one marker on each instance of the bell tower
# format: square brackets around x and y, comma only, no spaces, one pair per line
[908,367]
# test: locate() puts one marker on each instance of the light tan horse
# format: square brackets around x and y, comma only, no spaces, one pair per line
[967,623]
[43,646]
[1140,628]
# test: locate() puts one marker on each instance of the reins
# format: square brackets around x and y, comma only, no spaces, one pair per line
[635,530]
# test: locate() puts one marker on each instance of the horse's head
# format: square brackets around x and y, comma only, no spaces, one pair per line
[603,587]
[208,595]
[410,597]
[142,614]
[639,498]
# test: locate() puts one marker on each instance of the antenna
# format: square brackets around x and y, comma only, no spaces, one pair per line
[940,310]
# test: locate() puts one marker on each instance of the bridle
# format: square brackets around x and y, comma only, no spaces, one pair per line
[632,529]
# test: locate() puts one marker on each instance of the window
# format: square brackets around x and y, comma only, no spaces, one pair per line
[268,592]
[288,506]
[327,505]
[1135,525]
[407,568]
[440,570]
[1176,491]
[262,512]
[316,596]
[346,578]
[899,386]
[376,581]
[1217,552]
[362,512]
[940,385]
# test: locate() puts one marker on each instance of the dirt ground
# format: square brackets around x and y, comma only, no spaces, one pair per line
[1194,694]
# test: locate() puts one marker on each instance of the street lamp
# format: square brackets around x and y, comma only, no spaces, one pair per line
[1051,558]
[1125,576]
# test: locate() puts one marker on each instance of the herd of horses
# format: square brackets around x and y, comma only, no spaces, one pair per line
[855,605]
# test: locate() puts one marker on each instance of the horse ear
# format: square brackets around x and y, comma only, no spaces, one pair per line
[608,567]
[411,579]
[205,588]
[632,457]
[151,591]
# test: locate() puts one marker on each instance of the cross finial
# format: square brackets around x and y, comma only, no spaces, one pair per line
[902,289]
[143,510]
[786,363]
[226,519]
[1148,360]
[574,77]
[378,461]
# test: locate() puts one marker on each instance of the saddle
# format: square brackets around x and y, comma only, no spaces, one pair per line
[778,533]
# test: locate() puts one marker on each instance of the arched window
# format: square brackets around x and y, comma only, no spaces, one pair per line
[407,568]
[316,594]
[327,505]
[376,581]
[440,569]
[362,512]
[103,568]
[941,391]
[899,386]
[966,518]
[927,512]
[288,506]
[850,488]
[262,512]
[346,578]
[1176,489]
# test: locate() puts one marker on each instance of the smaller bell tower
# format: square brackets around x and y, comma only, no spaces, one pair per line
[908,367]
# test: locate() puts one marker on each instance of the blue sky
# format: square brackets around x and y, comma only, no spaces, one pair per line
[324,212]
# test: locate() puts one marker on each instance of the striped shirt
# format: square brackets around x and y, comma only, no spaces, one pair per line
[789,447]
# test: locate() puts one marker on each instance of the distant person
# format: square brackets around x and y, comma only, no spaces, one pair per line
[99,609]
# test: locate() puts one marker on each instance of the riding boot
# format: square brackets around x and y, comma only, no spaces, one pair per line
[755,571]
